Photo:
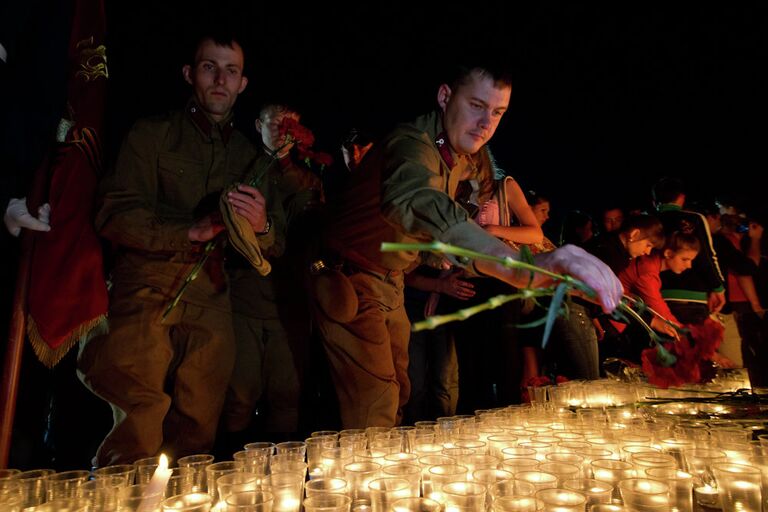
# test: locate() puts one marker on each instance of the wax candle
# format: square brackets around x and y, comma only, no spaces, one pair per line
[156,487]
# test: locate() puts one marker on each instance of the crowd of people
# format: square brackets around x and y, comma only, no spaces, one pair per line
[293,261]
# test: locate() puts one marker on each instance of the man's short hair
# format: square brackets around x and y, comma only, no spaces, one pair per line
[667,190]
[276,106]
[497,71]
[222,36]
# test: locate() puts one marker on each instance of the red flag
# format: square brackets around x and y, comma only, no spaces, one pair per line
[67,293]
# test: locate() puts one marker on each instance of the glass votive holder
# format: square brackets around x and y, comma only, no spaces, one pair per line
[132,497]
[496,443]
[326,486]
[287,489]
[10,496]
[34,486]
[327,503]
[334,460]
[517,504]
[326,433]
[250,501]
[644,461]
[237,482]
[539,479]
[372,432]
[518,452]
[490,476]
[315,447]
[385,443]
[400,457]
[355,442]
[190,502]
[699,461]
[252,461]
[65,484]
[415,504]
[280,465]
[594,490]
[738,486]
[145,468]
[180,482]
[737,453]
[680,487]
[215,471]
[124,471]
[562,470]
[515,466]
[561,500]
[643,494]
[630,451]
[510,488]
[437,476]
[261,447]
[729,435]
[384,492]
[295,450]
[612,472]
[761,463]
[464,497]
[604,507]
[101,494]
[358,475]
[60,505]
[411,472]
[197,463]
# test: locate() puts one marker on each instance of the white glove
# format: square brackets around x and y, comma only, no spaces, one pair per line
[17,216]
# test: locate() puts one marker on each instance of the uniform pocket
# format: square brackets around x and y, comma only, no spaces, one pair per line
[181,181]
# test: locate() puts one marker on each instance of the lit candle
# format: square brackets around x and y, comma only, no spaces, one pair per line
[153,495]
[707,495]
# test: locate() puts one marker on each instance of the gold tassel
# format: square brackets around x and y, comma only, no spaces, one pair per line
[51,357]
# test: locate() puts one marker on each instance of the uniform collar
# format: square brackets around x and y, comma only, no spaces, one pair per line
[206,125]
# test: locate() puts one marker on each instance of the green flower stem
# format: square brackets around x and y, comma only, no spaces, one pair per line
[440,247]
[209,247]
[625,308]
[433,322]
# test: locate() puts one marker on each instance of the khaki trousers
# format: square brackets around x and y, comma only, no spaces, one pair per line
[164,381]
[368,356]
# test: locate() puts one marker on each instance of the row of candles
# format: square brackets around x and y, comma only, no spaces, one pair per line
[540,457]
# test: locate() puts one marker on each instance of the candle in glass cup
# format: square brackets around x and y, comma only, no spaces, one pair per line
[191,502]
[561,500]
[250,501]
[197,463]
[156,488]
[326,486]
[415,504]
[65,484]
[384,491]
[594,490]
[411,472]
[539,479]
[680,487]
[287,489]
[644,495]
[464,497]
[517,504]
[328,503]
[738,486]
[358,475]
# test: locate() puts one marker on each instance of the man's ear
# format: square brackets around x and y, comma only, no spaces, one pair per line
[258,124]
[668,253]
[243,83]
[443,96]
[187,72]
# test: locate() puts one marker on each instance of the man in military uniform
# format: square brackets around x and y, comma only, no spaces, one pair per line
[165,376]
[404,192]
[270,313]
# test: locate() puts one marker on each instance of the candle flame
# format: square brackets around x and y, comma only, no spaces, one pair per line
[163,462]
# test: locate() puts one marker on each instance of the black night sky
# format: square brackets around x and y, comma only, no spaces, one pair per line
[607,98]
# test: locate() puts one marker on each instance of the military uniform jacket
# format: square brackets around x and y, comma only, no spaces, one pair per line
[170,172]
[403,192]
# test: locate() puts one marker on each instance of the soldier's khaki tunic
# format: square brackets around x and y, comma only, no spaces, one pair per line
[402,192]
[165,381]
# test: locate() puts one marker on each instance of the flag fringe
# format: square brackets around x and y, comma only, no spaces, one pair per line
[50,357]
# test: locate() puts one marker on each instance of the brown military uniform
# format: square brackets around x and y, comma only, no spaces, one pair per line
[271,317]
[165,381]
[403,192]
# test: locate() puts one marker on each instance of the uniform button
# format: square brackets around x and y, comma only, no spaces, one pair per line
[193,110]
[181,171]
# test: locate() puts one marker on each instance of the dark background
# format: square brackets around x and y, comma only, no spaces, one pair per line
[607,98]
